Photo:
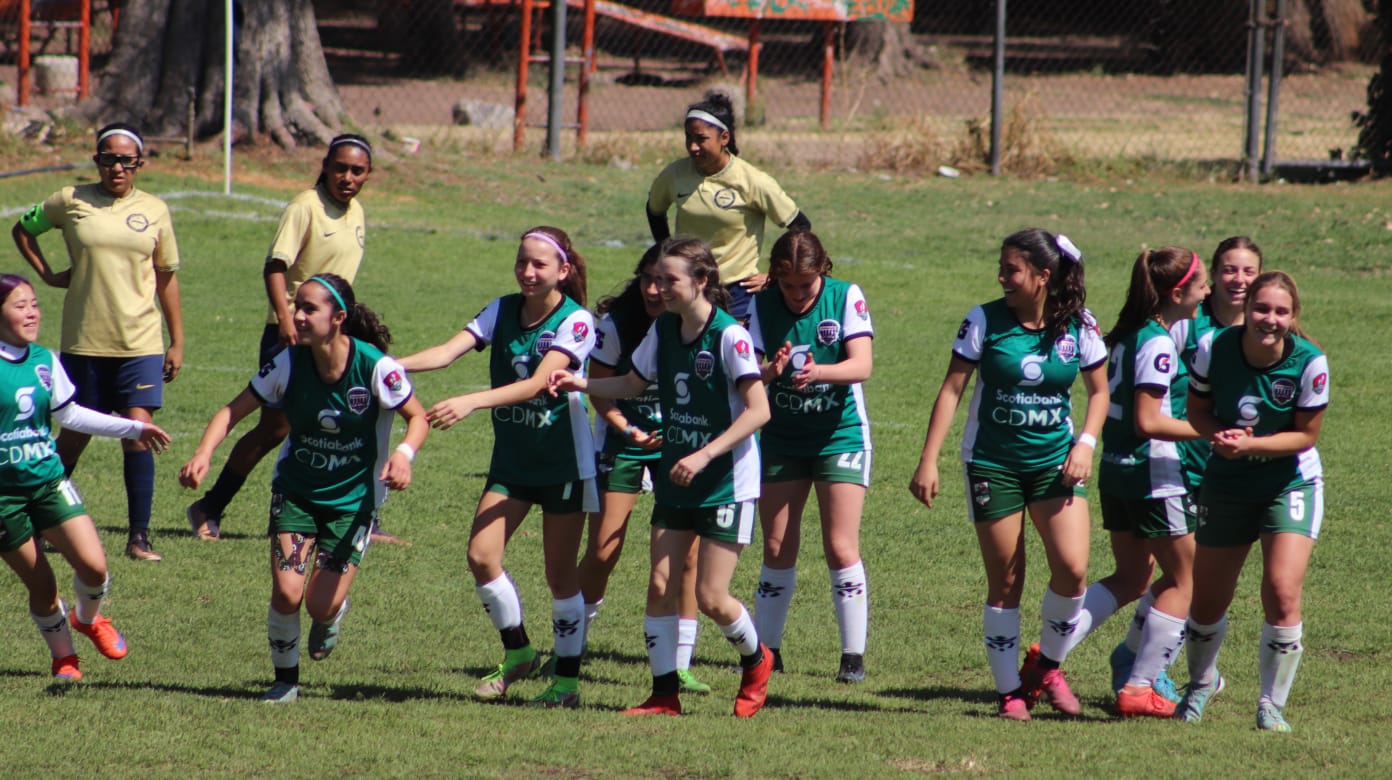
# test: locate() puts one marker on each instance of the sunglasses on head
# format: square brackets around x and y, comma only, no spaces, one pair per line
[110,160]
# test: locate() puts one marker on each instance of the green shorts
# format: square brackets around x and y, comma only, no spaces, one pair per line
[1228,522]
[850,467]
[732,523]
[341,537]
[1149,518]
[618,474]
[994,493]
[565,498]
[28,511]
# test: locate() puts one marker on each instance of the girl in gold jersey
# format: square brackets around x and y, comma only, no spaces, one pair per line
[123,256]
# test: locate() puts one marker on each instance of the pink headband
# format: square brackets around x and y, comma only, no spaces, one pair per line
[1183,280]
[547,239]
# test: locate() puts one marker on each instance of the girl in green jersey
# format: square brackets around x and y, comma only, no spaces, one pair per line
[36,499]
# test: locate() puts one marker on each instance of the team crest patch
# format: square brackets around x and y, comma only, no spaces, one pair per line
[1320,382]
[579,331]
[725,198]
[358,234]
[981,492]
[1282,391]
[742,348]
[359,399]
[138,222]
[1066,348]
[863,311]
[828,332]
[45,377]
[544,342]
[393,381]
[705,363]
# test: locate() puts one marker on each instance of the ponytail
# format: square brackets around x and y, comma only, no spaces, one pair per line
[629,310]
[1155,274]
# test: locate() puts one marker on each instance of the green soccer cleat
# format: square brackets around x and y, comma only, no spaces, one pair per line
[553,697]
[689,683]
[1196,697]
[494,685]
[1269,718]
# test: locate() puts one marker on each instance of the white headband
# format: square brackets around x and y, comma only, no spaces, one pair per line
[1067,247]
[358,142]
[139,144]
[707,117]
[545,238]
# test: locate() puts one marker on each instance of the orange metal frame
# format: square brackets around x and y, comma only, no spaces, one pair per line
[83,24]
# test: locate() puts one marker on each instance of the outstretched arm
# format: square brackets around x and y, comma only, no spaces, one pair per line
[193,472]
[441,355]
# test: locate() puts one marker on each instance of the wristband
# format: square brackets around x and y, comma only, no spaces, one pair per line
[630,430]
[408,451]
[1088,439]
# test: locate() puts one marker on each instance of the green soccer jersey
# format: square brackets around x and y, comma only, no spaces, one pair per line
[1019,415]
[698,384]
[643,411]
[821,419]
[339,431]
[543,440]
[1134,467]
[32,386]
[1265,400]
[1194,453]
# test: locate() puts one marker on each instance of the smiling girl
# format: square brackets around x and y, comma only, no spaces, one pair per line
[322,230]
[1020,453]
[712,404]
[542,453]
[1258,393]
[36,499]
[338,389]
[816,334]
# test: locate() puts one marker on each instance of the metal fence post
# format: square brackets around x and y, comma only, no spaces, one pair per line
[997,88]
[1256,40]
[1273,95]
[556,97]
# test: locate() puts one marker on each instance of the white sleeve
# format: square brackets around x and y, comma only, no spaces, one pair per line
[855,320]
[271,382]
[483,325]
[645,356]
[1314,385]
[1157,363]
[575,337]
[607,349]
[1203,358]
[1092,350]
[63,390]
[1179,331]
[737,354]
[756,331]
[390,383]
[76,417]
[971,336]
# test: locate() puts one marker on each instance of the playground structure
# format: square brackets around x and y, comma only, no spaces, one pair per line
[53,16]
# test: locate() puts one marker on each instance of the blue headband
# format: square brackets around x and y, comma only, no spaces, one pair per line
[325,282]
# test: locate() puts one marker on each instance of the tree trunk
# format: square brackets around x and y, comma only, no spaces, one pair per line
[168,52]
[888,46]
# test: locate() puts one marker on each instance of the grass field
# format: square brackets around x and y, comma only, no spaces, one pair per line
[394,700]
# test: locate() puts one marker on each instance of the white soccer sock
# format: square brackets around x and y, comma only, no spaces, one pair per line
[1099,603]
[591,613]
[1133,633]
[1002,630]
[743,636]
[1204,642]
[501,602]
[89,600]
[660,634]
[687,628]
[568,626]
[55,632]
[283,631]
[1278,658]
[1159,643]
[1059,615]
[772,599]
[850,595]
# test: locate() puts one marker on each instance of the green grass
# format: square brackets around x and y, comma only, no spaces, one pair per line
[394,698]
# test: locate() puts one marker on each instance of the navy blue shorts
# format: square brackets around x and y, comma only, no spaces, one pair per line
[112,384]
[740,301]
[270,345]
